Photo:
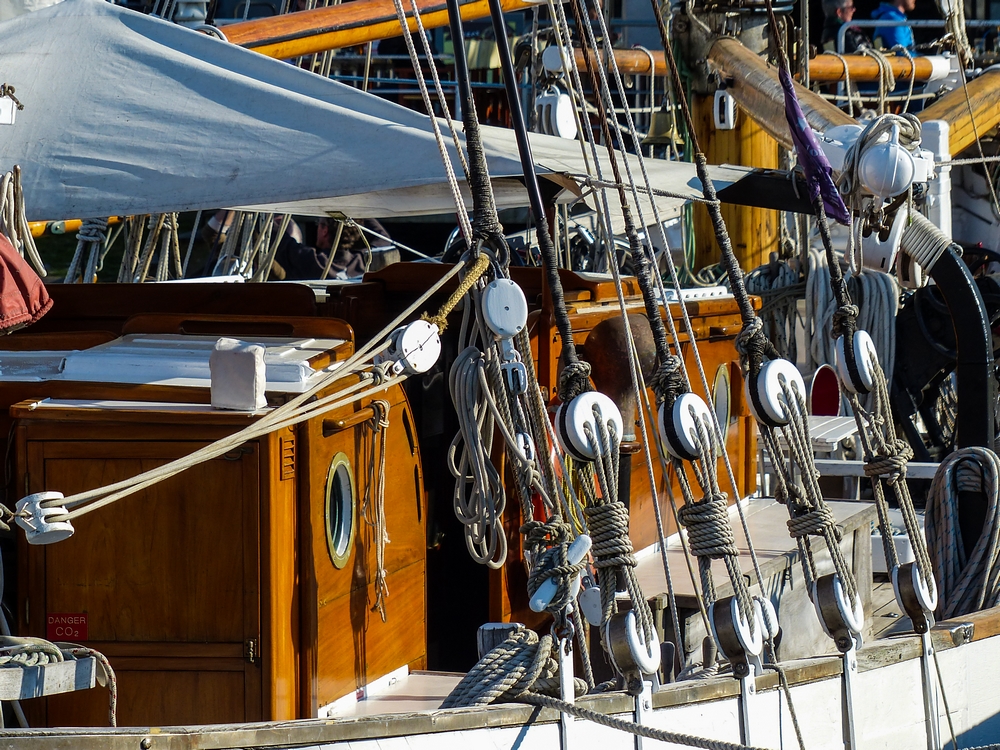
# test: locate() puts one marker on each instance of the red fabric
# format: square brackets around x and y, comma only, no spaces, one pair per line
[23,297]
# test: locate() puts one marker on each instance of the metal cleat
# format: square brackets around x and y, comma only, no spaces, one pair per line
[37,520]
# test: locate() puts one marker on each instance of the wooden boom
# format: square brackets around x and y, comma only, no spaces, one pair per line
[757,90]
[955,110]
[346,25]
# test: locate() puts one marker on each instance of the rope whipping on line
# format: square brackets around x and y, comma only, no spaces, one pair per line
[688,433]
[37,512]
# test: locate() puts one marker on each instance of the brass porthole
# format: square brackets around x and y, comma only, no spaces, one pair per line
[722,400]
[341,510]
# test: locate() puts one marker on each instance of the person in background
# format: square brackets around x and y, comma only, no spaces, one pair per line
[893,36]
[837,13]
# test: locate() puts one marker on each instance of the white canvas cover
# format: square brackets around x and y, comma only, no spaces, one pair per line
[128,114]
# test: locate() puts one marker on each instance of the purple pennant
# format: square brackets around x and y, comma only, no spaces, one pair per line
[811,157]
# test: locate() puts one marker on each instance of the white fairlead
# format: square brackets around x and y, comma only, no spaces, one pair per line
[926,598]
[646,656]
[414,348]
[544,593]
[752,643]
[679,430]
[572,419]
[36,521]
[766,399]
[857,365]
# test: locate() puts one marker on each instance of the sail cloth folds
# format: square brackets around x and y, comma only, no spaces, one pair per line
[127,114]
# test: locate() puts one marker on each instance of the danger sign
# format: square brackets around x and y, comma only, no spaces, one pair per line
[70,626]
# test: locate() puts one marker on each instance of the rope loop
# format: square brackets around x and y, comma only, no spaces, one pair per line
[476,269]
[92,230]
[574,380]
[707,524]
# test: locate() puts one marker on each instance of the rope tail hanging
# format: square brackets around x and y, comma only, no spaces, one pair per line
[13,219]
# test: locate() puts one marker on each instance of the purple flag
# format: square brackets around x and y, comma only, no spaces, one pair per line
[811,157]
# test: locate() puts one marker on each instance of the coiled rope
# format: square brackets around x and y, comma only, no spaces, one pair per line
[523,669]
[965,584]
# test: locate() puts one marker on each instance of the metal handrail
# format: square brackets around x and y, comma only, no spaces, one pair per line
[919,24]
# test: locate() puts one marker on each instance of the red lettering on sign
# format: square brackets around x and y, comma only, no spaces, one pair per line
[66,626]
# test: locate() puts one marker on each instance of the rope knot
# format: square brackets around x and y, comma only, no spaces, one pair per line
[608,525]
[891,462]
[668,380]
[845,320]
[92,230]
[707,524]
[813,522]
[574,380]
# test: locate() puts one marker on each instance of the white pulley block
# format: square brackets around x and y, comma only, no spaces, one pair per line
[886,168]
[646,656]
[36,519]
[766,399]
[555,113]
[680,430]
[553,59]
[751,643]
[879,255]
[724,110]
[544,593]
[909,273]
[414,349]
[572,418]
[505,310]
[857,372]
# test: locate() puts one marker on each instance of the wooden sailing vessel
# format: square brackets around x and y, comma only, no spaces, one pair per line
[268,610]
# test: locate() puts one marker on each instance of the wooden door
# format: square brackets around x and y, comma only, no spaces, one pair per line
[167,580]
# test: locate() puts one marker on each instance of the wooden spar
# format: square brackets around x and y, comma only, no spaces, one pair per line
[954,109]
[829,68]
[346,25]
[756,89]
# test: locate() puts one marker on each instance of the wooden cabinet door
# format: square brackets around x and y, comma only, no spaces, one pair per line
[167,579]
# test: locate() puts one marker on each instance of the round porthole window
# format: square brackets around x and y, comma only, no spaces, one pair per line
[341,510]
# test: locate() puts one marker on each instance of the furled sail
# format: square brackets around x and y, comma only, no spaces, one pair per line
[128,114]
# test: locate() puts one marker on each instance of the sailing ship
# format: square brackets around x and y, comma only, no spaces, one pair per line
[287,578]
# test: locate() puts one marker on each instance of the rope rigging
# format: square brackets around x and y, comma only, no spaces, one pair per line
[13,220]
